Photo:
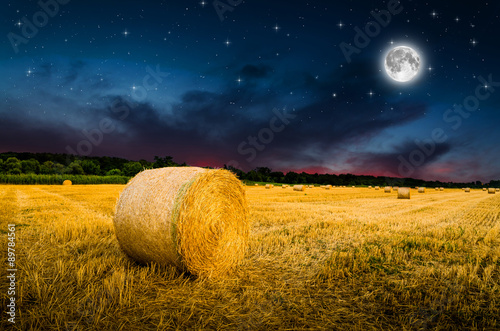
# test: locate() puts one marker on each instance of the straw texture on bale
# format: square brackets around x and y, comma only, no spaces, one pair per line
[467,189]
[491,191]
[421,190]
[67,182]
[377,187]
[193,218]
[299,187]
[387,189]
[404,193]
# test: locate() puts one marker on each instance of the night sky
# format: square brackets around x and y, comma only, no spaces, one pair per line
[281,84]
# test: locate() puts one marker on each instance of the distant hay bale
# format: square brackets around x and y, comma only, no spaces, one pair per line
[377,187]
[387,189]
[404,193]
[395,188]
[484,188]
[311,186]
[67,182]
[491,191]
[256,184]
[467,189]
[354,187]
[421,190]
[193,218]
[437,188]
[369,186]
[498,190]
[441,188]
[327,187]
[299,187]
[269,186]
[284,186]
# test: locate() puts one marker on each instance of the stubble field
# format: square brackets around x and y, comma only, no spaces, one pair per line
[340,259]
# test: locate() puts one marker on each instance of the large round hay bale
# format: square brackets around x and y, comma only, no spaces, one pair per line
[369,186]
[387,189]
[498,190]
[491,191]
[328,187]
[404,193]
[377,187]
[441,188]
[299,187]
[67,182]
[269,186]
[484,188]
[193,218]
[437,188]
[395,188]
[467,190]
[421,190]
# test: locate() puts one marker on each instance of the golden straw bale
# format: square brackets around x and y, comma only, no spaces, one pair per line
[404,193]
[421,190]
[491,190]
[395,188]
[193,218]
[387,189]
[299,187]
[377,187]
[467,189]
[67,182]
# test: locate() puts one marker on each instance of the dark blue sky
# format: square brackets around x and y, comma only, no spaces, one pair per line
[267,85]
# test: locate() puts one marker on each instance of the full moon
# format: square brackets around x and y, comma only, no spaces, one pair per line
[402,64]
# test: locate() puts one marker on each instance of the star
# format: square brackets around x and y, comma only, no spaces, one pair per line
[370,93]
[19,23]
[227,42]
[203,3]
[239,80]
[430,68]
[125,33]
[457,19]
[29,72]
[473,42]
[434,14]
[340,25]
[276,28]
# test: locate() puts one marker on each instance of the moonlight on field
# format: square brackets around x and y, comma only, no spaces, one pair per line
[402,64]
